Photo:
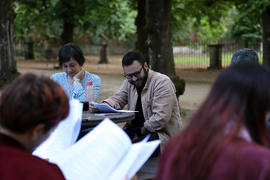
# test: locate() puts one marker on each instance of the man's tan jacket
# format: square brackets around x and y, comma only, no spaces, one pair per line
[159,104]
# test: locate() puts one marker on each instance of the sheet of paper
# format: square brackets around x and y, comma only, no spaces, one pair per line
[143,155]
[96,154]
[134,159]
[105,108]
[64,135]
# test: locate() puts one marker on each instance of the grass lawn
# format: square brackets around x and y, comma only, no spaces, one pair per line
[203,60]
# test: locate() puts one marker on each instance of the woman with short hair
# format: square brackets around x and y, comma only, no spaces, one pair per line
[74,78]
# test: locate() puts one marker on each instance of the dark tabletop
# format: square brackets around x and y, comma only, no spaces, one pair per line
[90,120]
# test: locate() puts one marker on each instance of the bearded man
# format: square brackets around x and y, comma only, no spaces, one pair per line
[150,93]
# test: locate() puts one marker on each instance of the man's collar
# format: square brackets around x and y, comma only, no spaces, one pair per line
[149,77]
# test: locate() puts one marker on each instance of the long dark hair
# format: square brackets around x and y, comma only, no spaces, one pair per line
[240,97]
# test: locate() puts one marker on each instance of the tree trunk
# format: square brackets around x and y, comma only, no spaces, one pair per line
[266,36]
[158,13]
[215,53]
[158,23]
[67,33]
[29,49]
[140,22]
[8,69]
[103,54]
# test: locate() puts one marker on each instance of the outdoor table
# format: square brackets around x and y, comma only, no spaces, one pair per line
[90,120]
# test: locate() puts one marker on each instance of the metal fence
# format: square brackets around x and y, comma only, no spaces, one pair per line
[186,55]
[41,49]
[197,54]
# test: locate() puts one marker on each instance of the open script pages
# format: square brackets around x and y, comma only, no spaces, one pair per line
[104,153]
[64,135]
[96,154]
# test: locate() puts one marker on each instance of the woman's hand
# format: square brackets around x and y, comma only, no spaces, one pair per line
[78,77]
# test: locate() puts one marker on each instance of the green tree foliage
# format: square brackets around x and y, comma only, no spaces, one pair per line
[247,22]
[111,20]
[105,19]
[244,29]
[204,18]
[37,18]
[211,19]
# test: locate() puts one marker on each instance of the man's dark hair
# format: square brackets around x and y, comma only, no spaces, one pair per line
[245,55]
[131,56]
[68,51]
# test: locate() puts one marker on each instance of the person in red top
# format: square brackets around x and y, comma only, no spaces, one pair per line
[30,108]
[227,137]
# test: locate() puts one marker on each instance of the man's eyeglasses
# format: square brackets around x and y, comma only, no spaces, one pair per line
[136,74]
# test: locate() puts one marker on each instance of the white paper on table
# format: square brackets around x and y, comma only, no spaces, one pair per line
[65,134]
[105,108]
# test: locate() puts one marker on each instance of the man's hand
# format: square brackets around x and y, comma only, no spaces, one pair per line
[92,108]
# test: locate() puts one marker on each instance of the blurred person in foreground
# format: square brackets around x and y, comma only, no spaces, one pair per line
[245,55]
[153,95]
[227,137]
[74,78]
[30,109]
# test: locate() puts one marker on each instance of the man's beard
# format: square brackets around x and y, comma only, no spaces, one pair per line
[140,82]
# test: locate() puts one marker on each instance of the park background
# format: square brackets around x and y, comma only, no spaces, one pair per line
[191,41]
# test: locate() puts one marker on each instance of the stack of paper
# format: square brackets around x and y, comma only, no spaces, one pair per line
[105,108]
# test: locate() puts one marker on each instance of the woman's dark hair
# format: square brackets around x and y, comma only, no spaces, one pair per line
[68,51]
[31,100]
[131,56]
[240,97]
[245,55]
